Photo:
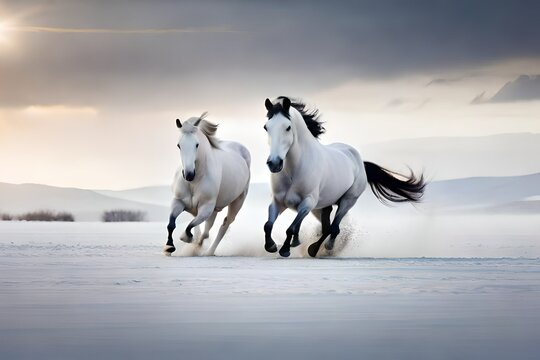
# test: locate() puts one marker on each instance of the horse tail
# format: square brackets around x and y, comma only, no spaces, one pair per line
[386,185]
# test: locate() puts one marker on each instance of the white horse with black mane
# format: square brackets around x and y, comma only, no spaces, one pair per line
[214,175]
[310,177]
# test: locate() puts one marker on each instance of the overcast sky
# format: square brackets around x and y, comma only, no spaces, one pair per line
[89,90]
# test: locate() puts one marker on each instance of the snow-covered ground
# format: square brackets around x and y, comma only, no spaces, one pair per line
[399,288]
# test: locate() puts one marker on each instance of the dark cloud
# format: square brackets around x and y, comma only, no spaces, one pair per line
[450,80]
[395,102]
[412,104]
[442,81]
[277,47]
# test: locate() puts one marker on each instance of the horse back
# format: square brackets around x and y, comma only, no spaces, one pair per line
[237,148]
[343,168]
[352,154]
[235,174]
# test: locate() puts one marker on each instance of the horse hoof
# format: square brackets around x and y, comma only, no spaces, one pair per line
[329,245]
[271,248]
[168,250]
[295,243]
[284,252]
[313,249]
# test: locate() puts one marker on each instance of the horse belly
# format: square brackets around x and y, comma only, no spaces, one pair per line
[330,195]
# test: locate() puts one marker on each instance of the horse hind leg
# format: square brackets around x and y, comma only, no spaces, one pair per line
[232,211]
[345,204]
[325,222]
[197,234]
[207,227]
[323,215]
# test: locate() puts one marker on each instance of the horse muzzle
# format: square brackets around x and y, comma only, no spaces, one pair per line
[275,165]
[188,175]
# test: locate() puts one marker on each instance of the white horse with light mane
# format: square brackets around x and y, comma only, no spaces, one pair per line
[214,175]
[310,177]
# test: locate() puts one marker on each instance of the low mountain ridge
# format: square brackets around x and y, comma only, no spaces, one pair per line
[511,194]
[85,205]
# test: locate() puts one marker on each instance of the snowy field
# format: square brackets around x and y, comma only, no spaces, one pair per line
[397,288]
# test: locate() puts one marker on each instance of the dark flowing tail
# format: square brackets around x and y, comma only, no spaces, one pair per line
[386,185]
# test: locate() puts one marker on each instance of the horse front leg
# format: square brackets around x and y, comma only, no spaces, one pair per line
[273,212]
[303,210]
[176,209]
[203,213]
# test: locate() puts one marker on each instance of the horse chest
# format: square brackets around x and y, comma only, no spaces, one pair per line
[291,199]
[288,195]
[189,199]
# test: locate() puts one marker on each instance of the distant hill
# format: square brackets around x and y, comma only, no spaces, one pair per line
[482,192]
[487,194]
[514,207]
[445,158]
[156,195]
[524,88]
[511,195]
[85,205]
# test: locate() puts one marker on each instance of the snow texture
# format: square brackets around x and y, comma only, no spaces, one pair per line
[105,291]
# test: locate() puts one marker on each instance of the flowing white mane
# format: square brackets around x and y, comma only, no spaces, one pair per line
[208,128]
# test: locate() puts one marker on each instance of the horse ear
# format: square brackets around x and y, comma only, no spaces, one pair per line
[286,104]
[268,104]
[178,123]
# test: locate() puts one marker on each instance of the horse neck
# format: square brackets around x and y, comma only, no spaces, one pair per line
[206,156]
[304,141]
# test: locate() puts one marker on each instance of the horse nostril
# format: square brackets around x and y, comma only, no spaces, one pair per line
[268,162]
[190,175]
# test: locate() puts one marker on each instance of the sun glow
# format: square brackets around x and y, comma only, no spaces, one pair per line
[60,110]
[4,32]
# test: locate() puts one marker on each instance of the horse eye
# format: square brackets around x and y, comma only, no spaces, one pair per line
[197,146]
[289,128]
[265,129]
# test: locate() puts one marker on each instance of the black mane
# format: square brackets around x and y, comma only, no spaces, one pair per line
[310,116]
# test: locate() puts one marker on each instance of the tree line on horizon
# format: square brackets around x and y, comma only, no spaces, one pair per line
[117,215]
